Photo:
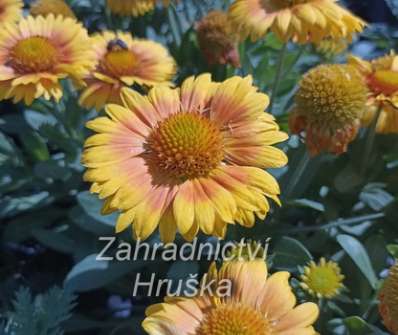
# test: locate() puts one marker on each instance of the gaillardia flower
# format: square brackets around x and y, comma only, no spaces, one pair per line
[10,11]
[303,21]
[133,7]
[56,7]
[217,39]
[123,61]
[328,107]
[381,76]
[257,305]
[37,53]
[388,296]
[323,280]
[186,159]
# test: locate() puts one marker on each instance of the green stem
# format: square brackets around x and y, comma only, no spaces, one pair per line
[297,174]
[295,61]
[278,76]
[369,144]
[59,114]
[337,223]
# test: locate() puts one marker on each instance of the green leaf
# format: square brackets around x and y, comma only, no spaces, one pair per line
[12,206]
[35,146]
[290,253]
[375,197]
[92,207]
[54,240]
[357,326]
[307,203]
[348,179]
[393,250]
[90,273]
[358,254]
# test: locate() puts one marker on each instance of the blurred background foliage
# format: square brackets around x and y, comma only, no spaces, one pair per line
[343,208]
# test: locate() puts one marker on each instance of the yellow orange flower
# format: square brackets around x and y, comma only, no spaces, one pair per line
[388,296]
[10,10]
[123,61]
[257,306]
[217,39]
[303,21]
[323,280]
[133,7]
[186,159]
[328,108]
[381,75]
[37,53]
[56,7]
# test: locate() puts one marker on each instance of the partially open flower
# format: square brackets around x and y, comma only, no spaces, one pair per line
[388,296]
[303,21]
[328,107]
[217,40]
[323,280]
[133,7]
[381,75]
[330,48]
[10,11]
[37,53]
[56,7]
[124,61]
[258,305]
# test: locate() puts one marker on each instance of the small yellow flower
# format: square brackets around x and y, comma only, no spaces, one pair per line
[259,305]
[303,21]
[328,107]
[37,53]
[189,159]
[388,296]
[123,61]
[381,75]
[217,40]
[133,7]
[10,11]
[56,7]
[323,280]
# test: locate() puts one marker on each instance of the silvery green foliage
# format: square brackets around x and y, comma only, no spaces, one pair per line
[393,4]
[40,315]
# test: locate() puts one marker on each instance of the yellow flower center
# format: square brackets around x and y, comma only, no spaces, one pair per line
[332,96]
[234,319]
[120,62]
[186,146]
[324,279]
[33,54]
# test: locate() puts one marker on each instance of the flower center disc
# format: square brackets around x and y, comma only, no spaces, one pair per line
[186,146]
[120,62]
[33,54]
[323,280]
[234,319]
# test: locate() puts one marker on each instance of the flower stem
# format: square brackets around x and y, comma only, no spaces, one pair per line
[295,61]
[278,76]
[370,139]
[297,174]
